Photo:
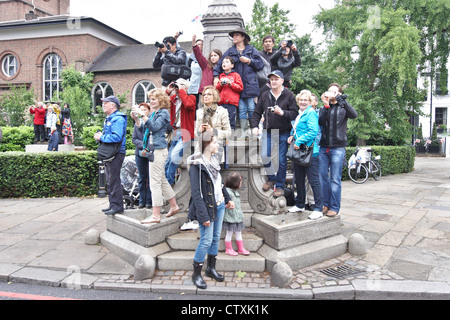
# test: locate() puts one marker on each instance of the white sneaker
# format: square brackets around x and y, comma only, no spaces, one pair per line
[191,225]
[315,215]
[296,209]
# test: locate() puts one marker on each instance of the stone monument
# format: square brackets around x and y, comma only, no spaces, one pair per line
[221,18]
[278,237]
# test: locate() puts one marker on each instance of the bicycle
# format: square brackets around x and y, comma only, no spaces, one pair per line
[362,163]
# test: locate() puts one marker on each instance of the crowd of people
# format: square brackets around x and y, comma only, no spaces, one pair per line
[223,88]
[52,124]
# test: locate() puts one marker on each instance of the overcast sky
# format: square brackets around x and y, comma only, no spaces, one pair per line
[148,21]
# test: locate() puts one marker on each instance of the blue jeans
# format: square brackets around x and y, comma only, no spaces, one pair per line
[145,195]
[231,114]
[330,166]
[246,108]
[210,237]
[312,172]
[176,151]
[266,153]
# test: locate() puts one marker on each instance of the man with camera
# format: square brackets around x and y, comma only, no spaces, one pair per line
[279,109]
[172,61]
[286,59]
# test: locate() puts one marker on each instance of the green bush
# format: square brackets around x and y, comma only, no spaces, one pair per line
[394,160]
[52,174]
[16,138]
[87,138]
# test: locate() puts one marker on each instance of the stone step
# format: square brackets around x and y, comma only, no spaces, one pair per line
[41,148]
[182,260]
[188,240]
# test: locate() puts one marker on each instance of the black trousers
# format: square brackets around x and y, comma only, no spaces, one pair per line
[114,184]
[39,132]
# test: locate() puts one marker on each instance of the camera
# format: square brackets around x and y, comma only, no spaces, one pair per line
[224,82]
[271,109]
[289,43]
[159,45]
[174,85]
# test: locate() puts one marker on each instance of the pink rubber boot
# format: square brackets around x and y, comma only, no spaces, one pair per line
[241,249]
[229,249]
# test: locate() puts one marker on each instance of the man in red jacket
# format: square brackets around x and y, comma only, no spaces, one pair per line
[182,120]
[39,122]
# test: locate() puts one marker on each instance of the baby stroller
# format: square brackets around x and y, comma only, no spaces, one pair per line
[129,176]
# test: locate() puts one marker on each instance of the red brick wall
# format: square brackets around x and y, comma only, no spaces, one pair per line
[80,50]
[121,82]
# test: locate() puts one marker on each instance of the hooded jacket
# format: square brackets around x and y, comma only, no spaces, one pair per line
[230,94]
[187,113]
[248,72]
[333,121]
[203,204]
[114,130]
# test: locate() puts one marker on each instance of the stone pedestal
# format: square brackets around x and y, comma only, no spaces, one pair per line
[41,148]
[221,18]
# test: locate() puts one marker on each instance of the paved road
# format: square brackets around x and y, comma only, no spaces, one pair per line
[405,220]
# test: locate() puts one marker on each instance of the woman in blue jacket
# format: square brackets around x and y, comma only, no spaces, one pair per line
[247,63]
[305,130]
[157,123]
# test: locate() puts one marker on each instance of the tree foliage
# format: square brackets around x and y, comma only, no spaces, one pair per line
[14,106]
[374,50]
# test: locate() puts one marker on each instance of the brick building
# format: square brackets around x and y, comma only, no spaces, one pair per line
[38,39]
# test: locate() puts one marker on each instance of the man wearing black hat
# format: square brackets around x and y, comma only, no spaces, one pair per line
[279,109]
[114,131]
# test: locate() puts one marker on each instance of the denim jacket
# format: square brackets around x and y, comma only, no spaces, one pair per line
[157,124]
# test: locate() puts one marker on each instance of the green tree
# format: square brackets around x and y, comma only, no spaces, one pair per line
[269,21]
[14,106]
[77,93]
[374,51]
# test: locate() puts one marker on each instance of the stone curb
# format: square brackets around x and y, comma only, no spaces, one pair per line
[359,289]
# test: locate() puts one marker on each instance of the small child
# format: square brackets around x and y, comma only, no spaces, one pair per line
[54,140]
[233,221]
[230,87]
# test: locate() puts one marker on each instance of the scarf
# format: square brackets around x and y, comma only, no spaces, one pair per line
[213,167]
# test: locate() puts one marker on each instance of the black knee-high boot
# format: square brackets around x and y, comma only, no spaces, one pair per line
[211,269]
[197,276]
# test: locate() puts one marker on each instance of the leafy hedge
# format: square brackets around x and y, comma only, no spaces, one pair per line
[52,174]
[16,138]
[60,174]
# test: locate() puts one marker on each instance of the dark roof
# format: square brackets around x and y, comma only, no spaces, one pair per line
[129,58]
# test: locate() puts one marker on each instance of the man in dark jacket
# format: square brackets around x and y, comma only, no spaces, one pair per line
[279,109]
[169,55]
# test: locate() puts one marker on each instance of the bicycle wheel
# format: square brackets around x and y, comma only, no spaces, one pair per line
[376,170]
[358,173]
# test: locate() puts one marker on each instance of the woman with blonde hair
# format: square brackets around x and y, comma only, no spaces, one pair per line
[155,148]
[212,116]
[304,132]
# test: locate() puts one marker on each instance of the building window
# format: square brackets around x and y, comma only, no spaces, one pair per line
[52,77]
[141,90]
[10,65]
[441,116]
[100,91]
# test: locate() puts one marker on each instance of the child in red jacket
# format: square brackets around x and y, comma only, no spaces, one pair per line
[230,87]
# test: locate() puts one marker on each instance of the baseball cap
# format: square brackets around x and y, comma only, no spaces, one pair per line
[112,99]
[276,73]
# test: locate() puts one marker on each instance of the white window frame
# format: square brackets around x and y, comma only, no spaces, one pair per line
[147,86]
[103,86]
[49,63]
[9,61]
